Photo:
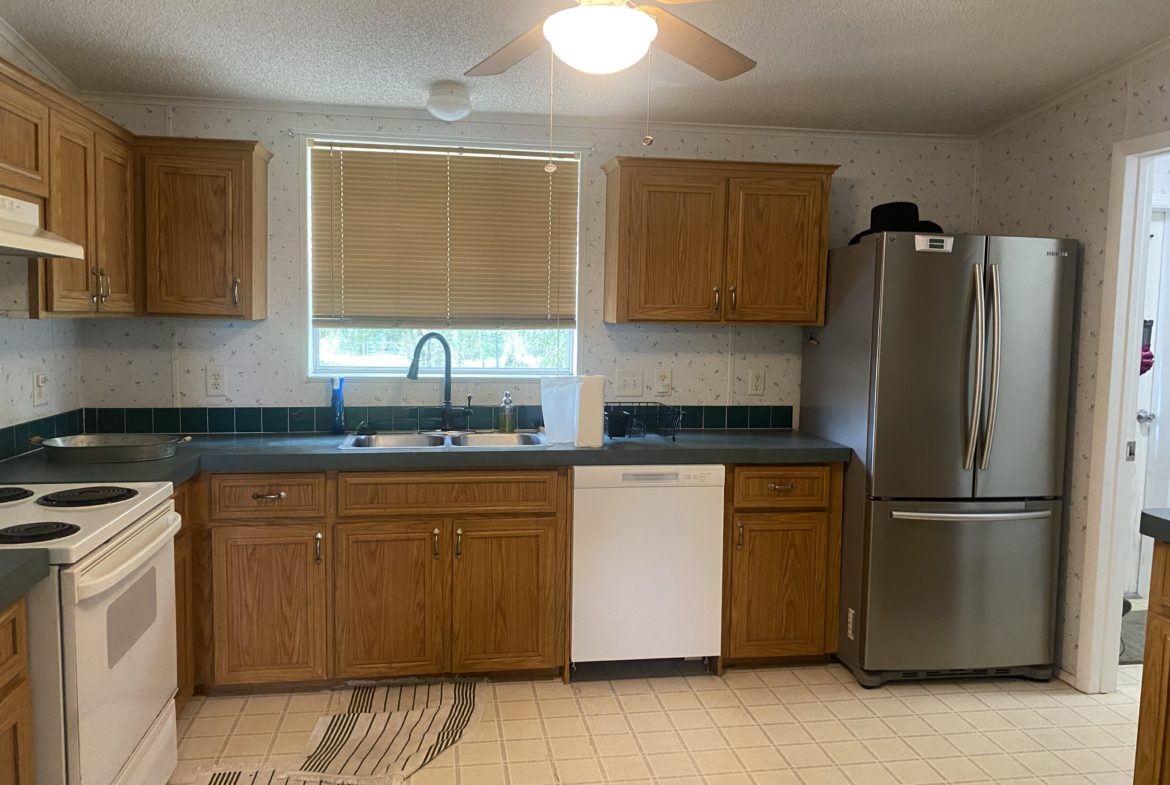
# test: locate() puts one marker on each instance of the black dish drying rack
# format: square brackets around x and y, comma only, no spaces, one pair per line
[634,419]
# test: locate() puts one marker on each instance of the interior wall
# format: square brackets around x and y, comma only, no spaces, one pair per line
[1048,173]
[159,362]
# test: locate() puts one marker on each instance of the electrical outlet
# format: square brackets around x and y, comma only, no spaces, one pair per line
[216,384]
[629,383]
[662,382]
[755,383]
[40,388]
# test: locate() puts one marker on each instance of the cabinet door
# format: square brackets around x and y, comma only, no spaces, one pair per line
[675,235]
[71,283]
[16,750]
[184,617]
[114,215]
[392,600]
[195,219]
[776,249]
[778,584]
[270,586]
[24,141]
[508,597]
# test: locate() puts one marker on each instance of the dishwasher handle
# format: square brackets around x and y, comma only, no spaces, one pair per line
[650,478]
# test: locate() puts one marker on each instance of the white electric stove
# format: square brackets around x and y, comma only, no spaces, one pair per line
[101,628]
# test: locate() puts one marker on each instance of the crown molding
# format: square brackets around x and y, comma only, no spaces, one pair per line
[1118,69]
[541,121]
[35,61]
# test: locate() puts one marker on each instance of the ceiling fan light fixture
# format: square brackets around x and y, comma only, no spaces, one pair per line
[449,101]
[600,37]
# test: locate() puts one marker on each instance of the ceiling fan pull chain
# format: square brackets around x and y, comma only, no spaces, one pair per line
[550,167]
[647,139]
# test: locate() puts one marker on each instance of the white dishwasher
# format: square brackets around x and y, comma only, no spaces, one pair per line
[647,562]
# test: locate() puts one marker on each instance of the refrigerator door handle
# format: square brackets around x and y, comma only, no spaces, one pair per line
[996,351]
[980,356]
[970,516]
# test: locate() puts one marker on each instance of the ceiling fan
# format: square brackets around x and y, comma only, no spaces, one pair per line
[606,36]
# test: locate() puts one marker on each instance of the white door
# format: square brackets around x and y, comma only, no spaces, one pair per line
[118,641]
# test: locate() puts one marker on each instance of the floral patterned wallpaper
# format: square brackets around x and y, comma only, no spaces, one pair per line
[159,362]
[1049,175]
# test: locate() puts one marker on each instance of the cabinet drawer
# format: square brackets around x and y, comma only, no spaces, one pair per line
[781,487]
[245,496]
[421,493]
[13,644]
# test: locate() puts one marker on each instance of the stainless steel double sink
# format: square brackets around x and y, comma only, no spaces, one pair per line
[438,440]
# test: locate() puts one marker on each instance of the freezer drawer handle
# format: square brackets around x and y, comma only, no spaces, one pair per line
[980,355]
[970,516]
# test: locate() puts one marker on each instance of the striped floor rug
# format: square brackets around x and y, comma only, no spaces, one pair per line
[380,735]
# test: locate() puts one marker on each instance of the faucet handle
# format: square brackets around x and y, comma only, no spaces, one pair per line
[468,411]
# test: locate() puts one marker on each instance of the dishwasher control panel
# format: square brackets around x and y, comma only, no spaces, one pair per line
[701,476]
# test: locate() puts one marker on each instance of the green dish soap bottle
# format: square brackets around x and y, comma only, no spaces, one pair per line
[507,414]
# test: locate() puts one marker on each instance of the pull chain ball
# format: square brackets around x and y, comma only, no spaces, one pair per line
[647,140]
[550,167]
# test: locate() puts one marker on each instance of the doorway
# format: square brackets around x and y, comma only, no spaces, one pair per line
[1123,451]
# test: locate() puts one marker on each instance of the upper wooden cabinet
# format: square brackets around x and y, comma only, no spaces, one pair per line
[24,140]
[206,237]
[72,285]
[115,237]
[715,241]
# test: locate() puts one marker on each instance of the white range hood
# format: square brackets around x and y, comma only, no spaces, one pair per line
[21,233]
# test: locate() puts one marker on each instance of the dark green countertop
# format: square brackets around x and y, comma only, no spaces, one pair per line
[20,570]
[317,452]
[1156,523]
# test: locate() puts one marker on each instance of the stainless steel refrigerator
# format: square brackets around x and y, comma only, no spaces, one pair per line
[944,365]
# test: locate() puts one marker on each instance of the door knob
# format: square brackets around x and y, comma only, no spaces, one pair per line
[1145,417]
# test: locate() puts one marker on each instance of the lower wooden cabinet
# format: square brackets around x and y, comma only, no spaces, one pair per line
[1152,763]
[184,617]
[508,595]
[270,586]
[16,721]
[391,599]
[778,584]
[782,565]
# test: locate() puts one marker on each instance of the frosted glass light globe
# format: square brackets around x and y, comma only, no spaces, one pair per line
[599,38]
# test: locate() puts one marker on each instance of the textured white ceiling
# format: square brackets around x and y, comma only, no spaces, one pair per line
[944,66]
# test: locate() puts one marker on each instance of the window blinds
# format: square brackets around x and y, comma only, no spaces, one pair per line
[429,237]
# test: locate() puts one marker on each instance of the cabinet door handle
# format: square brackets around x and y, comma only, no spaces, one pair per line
[734,298]
[97,278]
[235,291]
[317,547]
[458,543]
[718,297]
[435,544]
[739,535]
[270,497]
[103,286]
[786,487]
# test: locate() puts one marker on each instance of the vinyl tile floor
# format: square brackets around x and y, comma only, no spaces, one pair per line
[646,723]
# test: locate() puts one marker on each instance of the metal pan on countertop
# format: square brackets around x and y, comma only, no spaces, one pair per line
[109,447]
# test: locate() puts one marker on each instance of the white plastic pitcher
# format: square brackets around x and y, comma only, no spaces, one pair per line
[573,409]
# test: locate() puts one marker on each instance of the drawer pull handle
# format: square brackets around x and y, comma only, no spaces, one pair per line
[739,536]
[458,543]
[270,497]
[786,487]
[435,544]
[317,547]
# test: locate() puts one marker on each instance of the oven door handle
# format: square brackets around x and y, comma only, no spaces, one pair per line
[121,558]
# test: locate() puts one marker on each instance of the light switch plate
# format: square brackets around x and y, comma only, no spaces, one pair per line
[629,383]
[40,388]
[663,382]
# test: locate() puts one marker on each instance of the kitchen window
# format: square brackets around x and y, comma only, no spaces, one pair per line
[480,244]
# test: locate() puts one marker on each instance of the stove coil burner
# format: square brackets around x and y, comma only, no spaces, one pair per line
[36,532]
[14,494]
[87,497]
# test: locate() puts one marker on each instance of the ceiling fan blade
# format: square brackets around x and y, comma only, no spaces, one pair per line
[694,47]
[524,45]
